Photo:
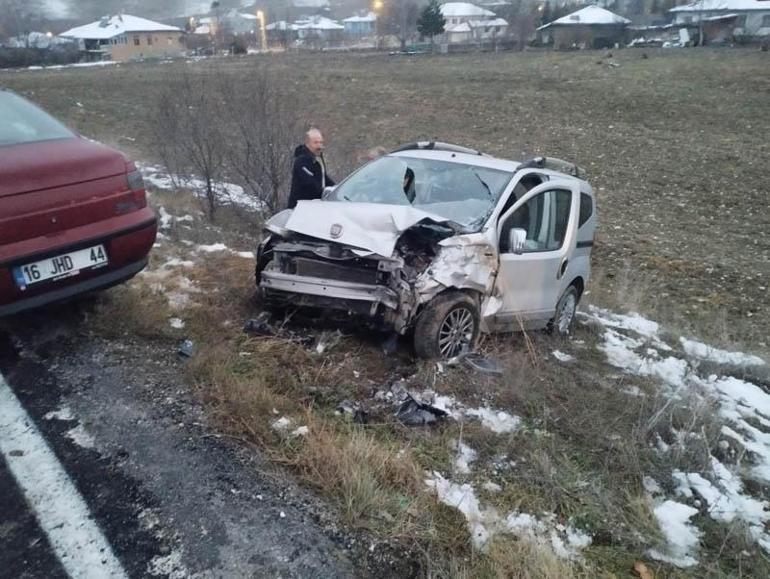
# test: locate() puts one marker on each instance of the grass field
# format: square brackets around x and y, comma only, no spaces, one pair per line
[675,143]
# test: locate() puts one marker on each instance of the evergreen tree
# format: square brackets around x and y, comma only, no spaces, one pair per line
[431,21]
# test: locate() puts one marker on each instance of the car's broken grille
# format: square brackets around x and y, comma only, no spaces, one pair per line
[328,270]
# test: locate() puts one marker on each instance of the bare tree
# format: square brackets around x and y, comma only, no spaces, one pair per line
[265,125]
[190,133]
[401,19]
[242,130]
[18,17]
[522,19]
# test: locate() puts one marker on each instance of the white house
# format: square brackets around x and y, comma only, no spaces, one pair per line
[126,37]
[318,27]
[746,19]
[360,25]
[589,27]
[466,22]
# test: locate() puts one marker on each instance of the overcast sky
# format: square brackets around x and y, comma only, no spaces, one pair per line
[58,8]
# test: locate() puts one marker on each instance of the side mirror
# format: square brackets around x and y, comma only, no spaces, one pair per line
[516,239]
[327,192]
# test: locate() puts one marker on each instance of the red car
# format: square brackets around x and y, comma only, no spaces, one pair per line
[73,213]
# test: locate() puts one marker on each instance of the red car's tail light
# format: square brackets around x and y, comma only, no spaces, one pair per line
[135,181]
[136,185]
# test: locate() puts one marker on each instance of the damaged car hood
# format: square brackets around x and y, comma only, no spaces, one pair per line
[373,227]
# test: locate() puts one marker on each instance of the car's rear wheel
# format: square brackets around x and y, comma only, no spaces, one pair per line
[448,326]
[565,312]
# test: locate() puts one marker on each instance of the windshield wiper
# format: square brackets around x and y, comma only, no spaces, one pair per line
[489,191]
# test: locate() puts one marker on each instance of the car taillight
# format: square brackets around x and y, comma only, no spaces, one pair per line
[138,198]
[135,181]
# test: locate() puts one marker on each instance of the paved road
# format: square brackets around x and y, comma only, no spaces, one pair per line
[137,468]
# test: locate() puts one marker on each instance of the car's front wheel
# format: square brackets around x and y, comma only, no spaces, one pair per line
[447,326]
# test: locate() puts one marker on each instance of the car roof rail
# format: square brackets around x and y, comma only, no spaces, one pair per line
[437,146]
[553,164]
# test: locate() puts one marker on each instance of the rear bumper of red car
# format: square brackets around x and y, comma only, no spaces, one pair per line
[99,282]
[127,239]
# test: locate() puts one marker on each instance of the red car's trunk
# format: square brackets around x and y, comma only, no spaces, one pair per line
[57,185]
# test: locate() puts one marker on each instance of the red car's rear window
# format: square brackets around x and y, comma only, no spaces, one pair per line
[23,122]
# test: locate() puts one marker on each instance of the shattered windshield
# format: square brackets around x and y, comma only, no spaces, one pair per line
[457,192]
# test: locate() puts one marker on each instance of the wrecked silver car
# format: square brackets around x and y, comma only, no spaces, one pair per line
[440,241]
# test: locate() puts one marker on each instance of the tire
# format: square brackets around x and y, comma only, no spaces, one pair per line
[448,324]
[565,312]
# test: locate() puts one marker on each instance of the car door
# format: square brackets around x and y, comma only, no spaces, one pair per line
[534,273]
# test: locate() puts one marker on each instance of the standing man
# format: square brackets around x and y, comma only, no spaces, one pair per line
[309,177]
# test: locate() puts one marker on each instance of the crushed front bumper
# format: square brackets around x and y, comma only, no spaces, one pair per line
[328,288]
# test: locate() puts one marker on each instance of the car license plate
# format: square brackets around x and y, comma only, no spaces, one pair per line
[61,266]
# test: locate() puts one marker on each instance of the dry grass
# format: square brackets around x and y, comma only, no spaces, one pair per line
[522,559]
[132,310]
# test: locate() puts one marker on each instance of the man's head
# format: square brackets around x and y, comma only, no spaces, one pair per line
[314,141]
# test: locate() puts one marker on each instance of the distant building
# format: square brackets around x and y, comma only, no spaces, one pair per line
[466,22]
[722,20]
[589,27]
[232,22]
[361,25]
[318,28]
[126,37]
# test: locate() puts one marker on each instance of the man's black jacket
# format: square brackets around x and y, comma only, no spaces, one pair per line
[308,177]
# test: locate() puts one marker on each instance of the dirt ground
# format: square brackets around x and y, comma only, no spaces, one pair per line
[675,143]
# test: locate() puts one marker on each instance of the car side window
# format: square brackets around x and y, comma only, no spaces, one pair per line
[522,188]
[586,208]
[544,218]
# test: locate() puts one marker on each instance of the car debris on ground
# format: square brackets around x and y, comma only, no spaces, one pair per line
[412,412]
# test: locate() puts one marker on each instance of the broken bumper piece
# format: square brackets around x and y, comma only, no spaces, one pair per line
[327,288]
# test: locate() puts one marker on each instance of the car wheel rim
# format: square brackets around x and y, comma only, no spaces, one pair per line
[567,313]
[456,332]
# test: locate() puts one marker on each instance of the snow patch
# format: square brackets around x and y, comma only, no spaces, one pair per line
[682,537]
[705,352]
[81,437]
[63,413]
[562,356]
[464,457]
[744,409]
[484,523]
[169,566]
[491,487]
[497,421]
[300,431]
[212,248]
[176,323]
[226,193]
[726,499]
[282,424]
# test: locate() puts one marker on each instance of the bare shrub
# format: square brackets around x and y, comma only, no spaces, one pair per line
[241,130]
[264,125]
[189,133]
